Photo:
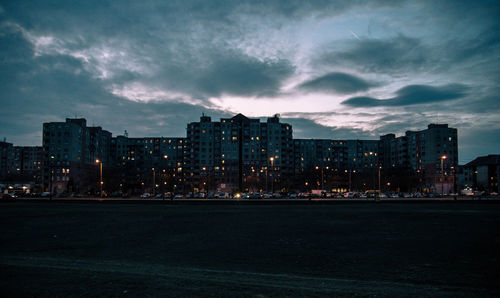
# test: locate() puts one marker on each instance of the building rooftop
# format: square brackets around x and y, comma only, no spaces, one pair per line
[492,159]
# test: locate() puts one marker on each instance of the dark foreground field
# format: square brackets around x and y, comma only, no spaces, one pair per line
[346,249]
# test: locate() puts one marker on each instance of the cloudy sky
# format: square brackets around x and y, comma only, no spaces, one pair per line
[333,69]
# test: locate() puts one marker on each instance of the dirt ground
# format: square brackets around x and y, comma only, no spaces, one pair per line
[445,249]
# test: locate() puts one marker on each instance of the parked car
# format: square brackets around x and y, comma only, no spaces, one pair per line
[303,195]
[145,195]
[199,195]
[266,196]
[221,195]
[255,195]
[9,195]
[349,194]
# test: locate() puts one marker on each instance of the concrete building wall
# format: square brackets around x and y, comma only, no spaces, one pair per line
[6,159]
[236,153]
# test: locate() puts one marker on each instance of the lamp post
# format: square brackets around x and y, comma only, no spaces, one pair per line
[272,174]
[154,181]
[267,189]
[100,176]
[350,181]
[379,168]
[442,174]
[322,177]
[51,171]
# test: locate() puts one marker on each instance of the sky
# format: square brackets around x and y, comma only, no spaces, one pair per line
[333,69]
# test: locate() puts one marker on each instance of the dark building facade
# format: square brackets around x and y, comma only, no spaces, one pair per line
[233,154]
[425,160]
[6,160]
[320,164]
[147,164]
[72,153]
[482,174]
[28,161]
[240,153]
[21,167]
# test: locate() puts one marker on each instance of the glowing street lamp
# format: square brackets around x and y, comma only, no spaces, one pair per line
[379,190]
[154,180]
[100,175]
[350,180]
[322,176]
[442,174]
[51,172]
[272,173]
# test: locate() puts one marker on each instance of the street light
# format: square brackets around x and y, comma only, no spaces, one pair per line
[350,181]
[272,174]
[154,181]
[100,175]
[322,177]
[442,174]
[379,168]
[51,172]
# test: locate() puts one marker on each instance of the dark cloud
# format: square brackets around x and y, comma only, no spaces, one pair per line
[53,87]
[304,128]
[412,95]
[38,13]
[337,82]
[480,45]
[230,73]
[378,55]
[182,45]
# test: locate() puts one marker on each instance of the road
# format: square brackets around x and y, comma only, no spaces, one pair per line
[446,249]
